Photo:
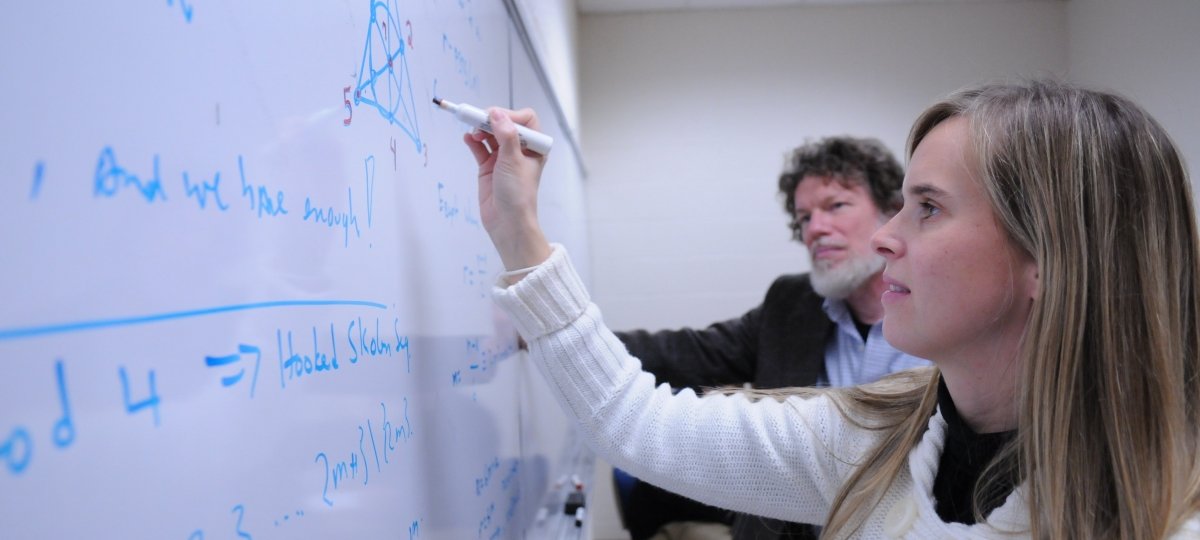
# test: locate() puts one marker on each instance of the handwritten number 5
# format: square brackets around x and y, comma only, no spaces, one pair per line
[349,111]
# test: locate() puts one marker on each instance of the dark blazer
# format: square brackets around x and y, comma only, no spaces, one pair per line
[777,344]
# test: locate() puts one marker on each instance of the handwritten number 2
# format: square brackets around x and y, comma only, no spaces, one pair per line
[325,490]
[349,111]
[241,512]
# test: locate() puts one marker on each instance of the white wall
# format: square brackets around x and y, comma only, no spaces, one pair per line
[553,27]
[1147,50]
[686,117]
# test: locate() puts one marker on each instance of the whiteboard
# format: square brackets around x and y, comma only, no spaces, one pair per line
[246,287]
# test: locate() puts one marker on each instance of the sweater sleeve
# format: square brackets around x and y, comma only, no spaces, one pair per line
[783,460]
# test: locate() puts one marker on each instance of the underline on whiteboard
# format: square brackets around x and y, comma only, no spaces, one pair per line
[7,334]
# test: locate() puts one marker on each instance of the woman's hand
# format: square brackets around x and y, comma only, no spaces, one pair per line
[508,184]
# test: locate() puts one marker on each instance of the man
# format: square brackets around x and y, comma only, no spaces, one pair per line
[816,329]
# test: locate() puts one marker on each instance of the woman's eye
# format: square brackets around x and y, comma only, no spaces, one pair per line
[929,210]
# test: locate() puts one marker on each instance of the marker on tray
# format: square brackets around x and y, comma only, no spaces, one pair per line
[475,117]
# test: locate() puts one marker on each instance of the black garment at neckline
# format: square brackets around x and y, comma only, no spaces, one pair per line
[864,329]
[964,457]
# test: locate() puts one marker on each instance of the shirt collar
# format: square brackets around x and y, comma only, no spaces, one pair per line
[837,311]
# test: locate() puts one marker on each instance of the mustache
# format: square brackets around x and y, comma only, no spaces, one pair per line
[825,241]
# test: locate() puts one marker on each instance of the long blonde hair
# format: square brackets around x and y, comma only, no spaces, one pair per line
[1091,187]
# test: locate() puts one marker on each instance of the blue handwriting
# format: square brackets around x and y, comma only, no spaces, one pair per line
[486,522]
[150,402]
[221,361]
[111,178]
[384,54]
[507,481]
[79,326]
[287,517]
[394,434]
[373,346]
[16,451]
[297,365]
[39,172]
[369,171]
[481,483]
[363,342]
[187,9]
[461,63]
[335,473]
[200,192]
[478,276]
[332,218]
[260,196]
[239,511]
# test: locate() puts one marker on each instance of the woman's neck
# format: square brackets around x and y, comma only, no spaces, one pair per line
[984,390]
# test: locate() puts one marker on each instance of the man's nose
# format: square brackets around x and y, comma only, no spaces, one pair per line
[819,224]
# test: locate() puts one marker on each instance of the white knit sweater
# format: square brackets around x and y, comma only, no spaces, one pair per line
[780,460]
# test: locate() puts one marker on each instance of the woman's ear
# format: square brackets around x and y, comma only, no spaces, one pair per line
[1032,279]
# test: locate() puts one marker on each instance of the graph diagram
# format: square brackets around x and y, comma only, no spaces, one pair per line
[384,83]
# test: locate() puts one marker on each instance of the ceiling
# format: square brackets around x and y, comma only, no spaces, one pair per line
[622,6]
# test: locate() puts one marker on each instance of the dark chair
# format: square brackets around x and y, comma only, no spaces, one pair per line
[623,486]
[644,508]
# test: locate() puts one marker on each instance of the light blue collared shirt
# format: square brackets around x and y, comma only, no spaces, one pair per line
[849,361]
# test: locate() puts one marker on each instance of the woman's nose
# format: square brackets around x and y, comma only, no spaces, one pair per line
[885,242]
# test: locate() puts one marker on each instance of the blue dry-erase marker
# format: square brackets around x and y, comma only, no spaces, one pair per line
[475,117]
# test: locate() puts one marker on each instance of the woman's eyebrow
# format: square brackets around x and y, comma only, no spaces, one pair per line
[925,190]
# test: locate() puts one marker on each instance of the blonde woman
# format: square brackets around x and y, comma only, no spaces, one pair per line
[1045,259]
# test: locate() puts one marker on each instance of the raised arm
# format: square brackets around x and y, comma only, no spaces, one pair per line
[768,458]
[508,184]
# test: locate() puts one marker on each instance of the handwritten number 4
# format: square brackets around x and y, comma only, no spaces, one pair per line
[150,402]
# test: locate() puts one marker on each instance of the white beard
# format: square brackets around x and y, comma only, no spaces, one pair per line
[840,281]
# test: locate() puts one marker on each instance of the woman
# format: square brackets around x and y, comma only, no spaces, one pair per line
[1044,259]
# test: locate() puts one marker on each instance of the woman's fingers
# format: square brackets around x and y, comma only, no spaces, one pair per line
[482,145]
[505,131]
[503,124]
[478,149]
[526,117]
